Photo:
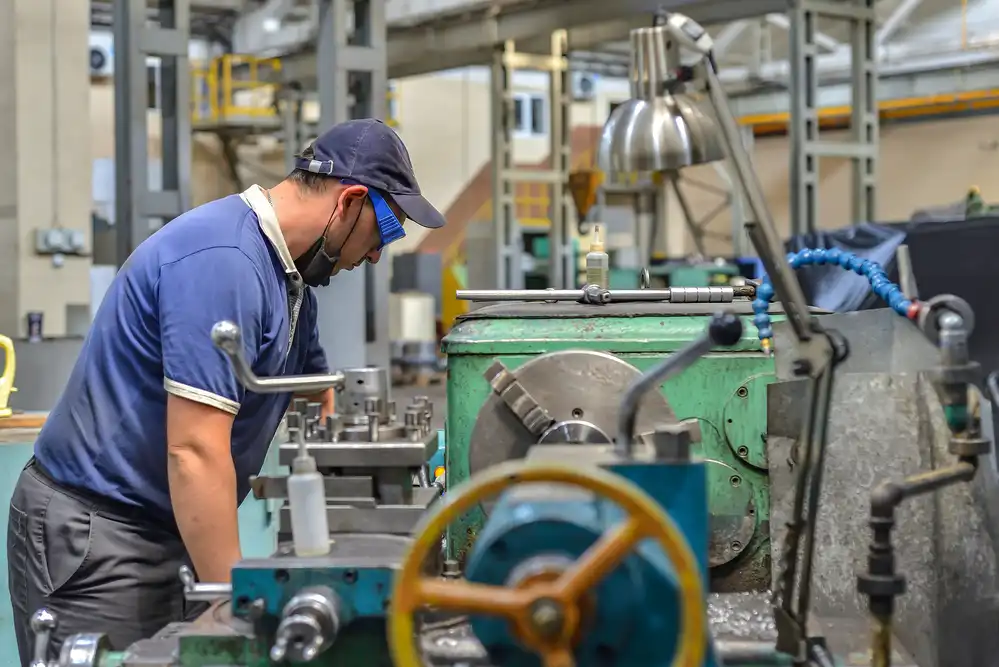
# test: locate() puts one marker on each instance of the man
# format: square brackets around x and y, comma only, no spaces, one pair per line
[144,460]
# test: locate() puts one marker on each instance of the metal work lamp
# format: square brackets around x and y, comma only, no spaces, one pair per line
[656,130]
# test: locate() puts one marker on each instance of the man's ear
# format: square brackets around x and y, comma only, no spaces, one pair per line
[352,199]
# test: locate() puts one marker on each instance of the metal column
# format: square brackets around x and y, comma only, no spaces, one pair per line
[739,206]
[806,146]
[562,266]
[139,210]
[864,119]
[507,236]
[351,72]
[292,124]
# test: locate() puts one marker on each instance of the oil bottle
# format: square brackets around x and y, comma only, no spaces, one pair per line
[597,262]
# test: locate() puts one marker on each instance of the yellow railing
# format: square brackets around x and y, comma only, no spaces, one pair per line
[392,107]
[229,89]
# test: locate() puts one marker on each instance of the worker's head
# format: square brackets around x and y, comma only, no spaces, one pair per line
[357,183]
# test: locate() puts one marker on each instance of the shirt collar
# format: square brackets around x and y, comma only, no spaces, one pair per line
[255,197]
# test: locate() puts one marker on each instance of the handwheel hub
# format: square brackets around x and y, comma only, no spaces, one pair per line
[547,618]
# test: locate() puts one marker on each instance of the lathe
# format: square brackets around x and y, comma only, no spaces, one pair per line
[602,561]
[596,538]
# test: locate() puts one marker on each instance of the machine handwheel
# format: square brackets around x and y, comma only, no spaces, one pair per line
[546,614]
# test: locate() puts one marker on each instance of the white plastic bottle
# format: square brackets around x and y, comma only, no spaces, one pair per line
[310,529]
[597,262]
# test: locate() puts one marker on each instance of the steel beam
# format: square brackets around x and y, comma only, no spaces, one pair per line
[469,39]
[561,259]
[903,58]
[728,35]
[890,87]
[139,209]
[506,239]
[825,41]
[353,310]
[895,21]
[806,147]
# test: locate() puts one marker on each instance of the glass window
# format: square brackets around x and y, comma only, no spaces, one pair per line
[152,83]
[539,122]
[520,112]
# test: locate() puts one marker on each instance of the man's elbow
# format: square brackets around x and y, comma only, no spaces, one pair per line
[189,451]
[197,434]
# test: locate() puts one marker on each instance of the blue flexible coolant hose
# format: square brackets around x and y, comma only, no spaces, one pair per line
[889,292]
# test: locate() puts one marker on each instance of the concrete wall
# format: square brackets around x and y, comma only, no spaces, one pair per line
[44,160]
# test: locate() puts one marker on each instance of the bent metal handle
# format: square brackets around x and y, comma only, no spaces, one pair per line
[227,337]
[198,592]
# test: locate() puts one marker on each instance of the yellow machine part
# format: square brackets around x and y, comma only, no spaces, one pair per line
[7,376]
[452,280]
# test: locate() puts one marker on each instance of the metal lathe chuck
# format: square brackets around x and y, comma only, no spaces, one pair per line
[567,396]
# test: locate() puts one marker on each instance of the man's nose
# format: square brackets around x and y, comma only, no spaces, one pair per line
[374,256]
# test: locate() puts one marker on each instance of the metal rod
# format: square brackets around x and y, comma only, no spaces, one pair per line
[755,653]
[675,294]
[906,276]
[763,233]
[520,295]
[228,338]
[881,641]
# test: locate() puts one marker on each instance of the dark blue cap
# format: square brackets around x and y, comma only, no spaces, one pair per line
[369,152]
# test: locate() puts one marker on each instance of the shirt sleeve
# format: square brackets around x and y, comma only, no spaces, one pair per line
[194,293]
[315,358]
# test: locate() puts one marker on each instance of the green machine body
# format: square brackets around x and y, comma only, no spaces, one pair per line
[526,373]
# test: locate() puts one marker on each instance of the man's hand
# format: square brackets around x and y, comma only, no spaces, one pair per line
[203,485]
[326,398]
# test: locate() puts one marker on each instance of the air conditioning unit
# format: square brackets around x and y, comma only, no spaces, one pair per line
[584,86]
[101,55]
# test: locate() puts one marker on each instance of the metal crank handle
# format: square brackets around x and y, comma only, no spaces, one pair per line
[228,338]
[195,592]
[43,624]
[724,330]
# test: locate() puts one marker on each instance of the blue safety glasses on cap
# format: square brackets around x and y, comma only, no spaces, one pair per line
[389,227]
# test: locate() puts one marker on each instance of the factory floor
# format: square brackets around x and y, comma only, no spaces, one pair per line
[437,393]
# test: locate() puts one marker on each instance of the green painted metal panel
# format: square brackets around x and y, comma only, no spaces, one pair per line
[725,391]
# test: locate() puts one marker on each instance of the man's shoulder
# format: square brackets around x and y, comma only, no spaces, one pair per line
[222,223]
[215,228]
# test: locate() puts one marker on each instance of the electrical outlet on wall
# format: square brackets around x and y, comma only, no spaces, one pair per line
[59,241]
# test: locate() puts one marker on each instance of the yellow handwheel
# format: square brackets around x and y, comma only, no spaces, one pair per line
[644,520]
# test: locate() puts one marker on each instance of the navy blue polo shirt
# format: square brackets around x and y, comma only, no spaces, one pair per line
[151,336]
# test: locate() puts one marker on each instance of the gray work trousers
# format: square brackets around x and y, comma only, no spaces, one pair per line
[96,569]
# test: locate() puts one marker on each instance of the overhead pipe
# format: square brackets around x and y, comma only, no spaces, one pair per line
[265,31]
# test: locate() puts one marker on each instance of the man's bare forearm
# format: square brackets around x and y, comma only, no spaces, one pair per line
[203,494]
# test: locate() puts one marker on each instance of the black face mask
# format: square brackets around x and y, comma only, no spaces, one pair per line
[315,265]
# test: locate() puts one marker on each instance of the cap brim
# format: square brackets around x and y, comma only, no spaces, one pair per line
[420,211]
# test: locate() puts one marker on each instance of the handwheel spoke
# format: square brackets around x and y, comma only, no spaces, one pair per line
[469,598]
[602,557]
[558,657]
